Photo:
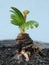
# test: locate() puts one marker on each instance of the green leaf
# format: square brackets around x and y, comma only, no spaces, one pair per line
[29,24]
[17,15]
[14,22]
[15,19]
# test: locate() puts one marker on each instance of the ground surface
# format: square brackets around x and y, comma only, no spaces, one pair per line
[8,54]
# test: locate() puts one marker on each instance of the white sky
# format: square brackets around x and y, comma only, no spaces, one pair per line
[39,11]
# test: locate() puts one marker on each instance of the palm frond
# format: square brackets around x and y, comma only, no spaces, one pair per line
[29,24]
[17,16]
[15,19]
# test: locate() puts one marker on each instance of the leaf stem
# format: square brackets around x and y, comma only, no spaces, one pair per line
[25,12]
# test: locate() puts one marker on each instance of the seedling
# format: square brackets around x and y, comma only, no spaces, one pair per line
[19,19]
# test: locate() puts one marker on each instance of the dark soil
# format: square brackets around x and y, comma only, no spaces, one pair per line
[8,55]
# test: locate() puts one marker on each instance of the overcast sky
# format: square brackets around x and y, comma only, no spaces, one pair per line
[39,11]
